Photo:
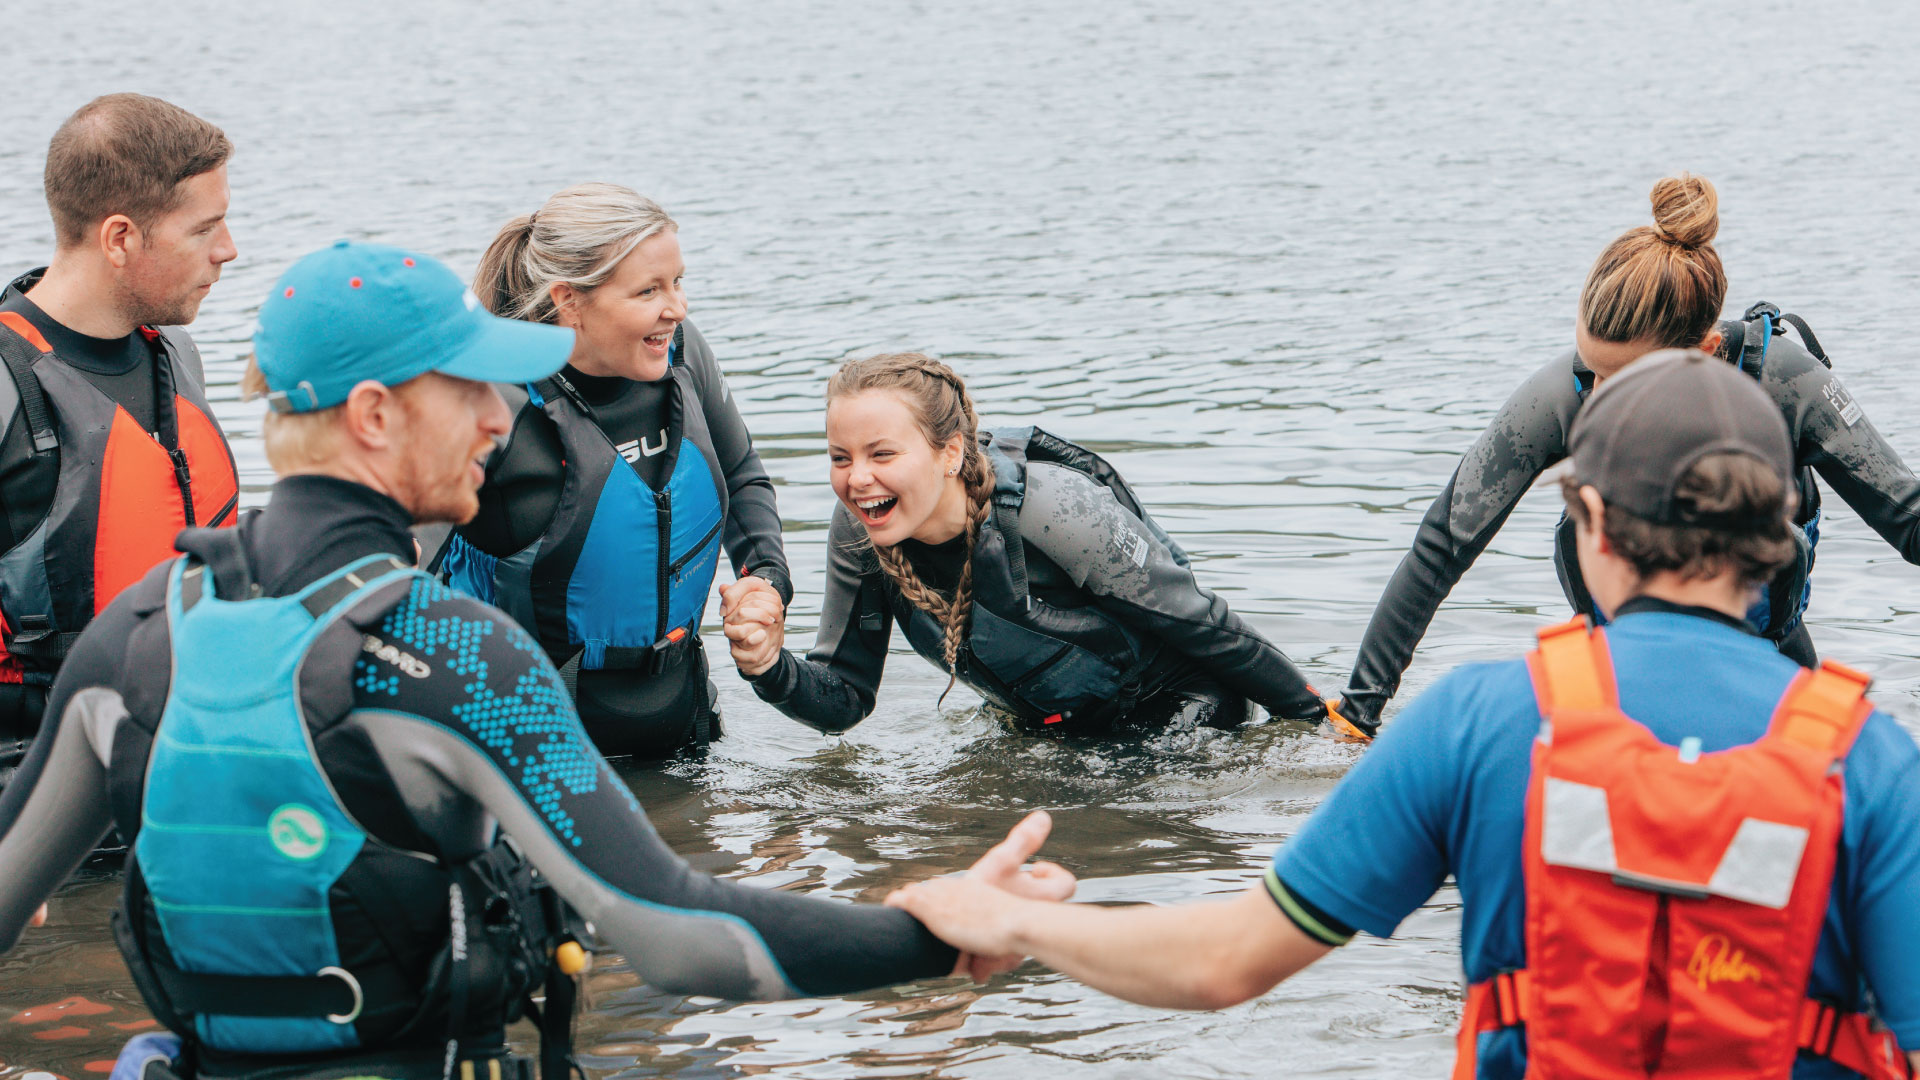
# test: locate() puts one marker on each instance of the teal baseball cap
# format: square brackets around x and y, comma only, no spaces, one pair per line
[353,312]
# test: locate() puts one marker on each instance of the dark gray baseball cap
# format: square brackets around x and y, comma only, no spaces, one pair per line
[1644,428]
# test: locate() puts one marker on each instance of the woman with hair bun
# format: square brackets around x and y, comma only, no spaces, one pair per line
[1014,560]
[1657,286]
[603,516]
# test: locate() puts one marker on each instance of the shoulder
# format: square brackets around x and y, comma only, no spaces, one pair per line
[1548,397]
[1064,494]
[698,357]
[180,344]
[426,643]
[1472,706]
[1883,766]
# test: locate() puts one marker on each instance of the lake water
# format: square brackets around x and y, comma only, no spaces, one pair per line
[1279,261]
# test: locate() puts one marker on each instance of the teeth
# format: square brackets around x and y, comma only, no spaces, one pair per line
[873,504]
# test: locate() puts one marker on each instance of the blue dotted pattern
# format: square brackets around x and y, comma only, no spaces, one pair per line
[526,722]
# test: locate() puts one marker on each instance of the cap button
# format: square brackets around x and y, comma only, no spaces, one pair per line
[341,243]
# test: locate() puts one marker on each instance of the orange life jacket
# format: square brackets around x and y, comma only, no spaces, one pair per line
[1675,899]
[121,496]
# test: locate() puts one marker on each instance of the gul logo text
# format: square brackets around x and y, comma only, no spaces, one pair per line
[1715,960]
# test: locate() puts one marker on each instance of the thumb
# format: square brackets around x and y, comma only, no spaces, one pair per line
[1022,841]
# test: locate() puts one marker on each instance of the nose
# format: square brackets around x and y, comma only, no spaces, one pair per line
[676,303]
[224,250]
[495,419]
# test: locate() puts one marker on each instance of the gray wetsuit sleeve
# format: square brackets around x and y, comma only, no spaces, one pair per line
[1833,434]
[55,811]
[491,725]
[1076,522]
[834,687]
[753,518]
[1527,435]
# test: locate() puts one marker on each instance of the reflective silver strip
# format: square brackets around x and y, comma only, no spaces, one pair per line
[1761,864]
[1576,828]
[1758,867]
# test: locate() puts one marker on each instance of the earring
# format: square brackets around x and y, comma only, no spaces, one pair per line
[955,471]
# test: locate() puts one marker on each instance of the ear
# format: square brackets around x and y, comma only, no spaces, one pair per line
[1596,518]
[117,237]
[371,415]
[564,297]
[1711,343]
[954,453]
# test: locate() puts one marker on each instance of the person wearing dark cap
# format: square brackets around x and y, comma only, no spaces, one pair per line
[1678,852]
[365,820]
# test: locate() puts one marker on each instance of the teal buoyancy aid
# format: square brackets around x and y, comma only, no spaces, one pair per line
[241,836]
[622,571]
[1040,661]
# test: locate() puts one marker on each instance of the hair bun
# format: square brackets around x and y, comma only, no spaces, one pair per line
[1686,210]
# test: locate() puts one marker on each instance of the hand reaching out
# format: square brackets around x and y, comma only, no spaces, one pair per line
[755,623]
[976,912]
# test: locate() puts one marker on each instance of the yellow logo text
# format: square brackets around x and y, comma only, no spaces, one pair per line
[1715,960]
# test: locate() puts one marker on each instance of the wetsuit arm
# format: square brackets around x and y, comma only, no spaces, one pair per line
[753,518]
[491,723]
[1832,434]
[55,811]
[1077,523]
[834,687]
[1527,435]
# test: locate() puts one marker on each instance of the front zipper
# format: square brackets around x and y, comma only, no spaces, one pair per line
[663,514]
[224,511]
[184,479]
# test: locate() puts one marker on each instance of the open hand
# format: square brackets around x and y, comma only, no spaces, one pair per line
[755,623]
[978,913]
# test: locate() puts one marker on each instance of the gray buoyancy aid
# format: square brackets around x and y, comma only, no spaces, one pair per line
[1778,612]
[1041,661]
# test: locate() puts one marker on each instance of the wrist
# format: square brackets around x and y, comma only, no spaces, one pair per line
[776,576]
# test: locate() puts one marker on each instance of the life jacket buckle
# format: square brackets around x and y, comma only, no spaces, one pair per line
[353,984]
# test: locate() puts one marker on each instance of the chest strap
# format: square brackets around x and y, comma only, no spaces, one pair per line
[1849,1039]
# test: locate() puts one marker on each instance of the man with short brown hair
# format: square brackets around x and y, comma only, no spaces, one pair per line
[107,445]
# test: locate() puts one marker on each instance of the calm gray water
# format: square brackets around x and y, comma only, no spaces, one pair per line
[1280,261]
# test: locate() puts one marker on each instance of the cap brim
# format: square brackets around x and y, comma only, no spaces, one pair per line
[510,351]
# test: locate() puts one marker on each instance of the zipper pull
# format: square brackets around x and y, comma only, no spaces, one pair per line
[184,478]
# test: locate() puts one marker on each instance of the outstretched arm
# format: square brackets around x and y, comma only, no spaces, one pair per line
[1076,522]
[833,688]
[753,518]
[491,724]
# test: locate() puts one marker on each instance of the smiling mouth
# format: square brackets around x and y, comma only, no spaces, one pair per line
[875,510]
[657,342]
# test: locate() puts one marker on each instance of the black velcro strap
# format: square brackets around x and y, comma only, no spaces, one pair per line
[19,357]
[1006,518]
[321,600]
[45,647]
[259,995]
[556,1026]
[570,675]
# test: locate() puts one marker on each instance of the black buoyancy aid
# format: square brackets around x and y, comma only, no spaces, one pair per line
[121,496]
[1777,614]
[1040,661]
[622,572]
[260,922]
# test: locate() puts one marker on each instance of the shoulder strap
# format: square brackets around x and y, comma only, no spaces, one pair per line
[1006,518]
[14,349]
[1572,668]
[1822,710]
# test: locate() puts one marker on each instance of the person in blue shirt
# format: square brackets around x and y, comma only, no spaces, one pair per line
[1444,791]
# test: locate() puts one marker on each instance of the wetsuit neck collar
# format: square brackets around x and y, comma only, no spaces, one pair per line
[1640,604]
[314,525]
[101,356]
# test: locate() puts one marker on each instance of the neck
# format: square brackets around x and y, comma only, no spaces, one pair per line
[949,518]
[355,470]
[1723,593]
[79,296]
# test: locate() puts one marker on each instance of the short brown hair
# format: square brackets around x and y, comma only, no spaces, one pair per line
[293,441]
[125,154]
[1737,515]
[1663,281]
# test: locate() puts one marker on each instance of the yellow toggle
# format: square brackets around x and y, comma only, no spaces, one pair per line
[570,958]
[1342,726]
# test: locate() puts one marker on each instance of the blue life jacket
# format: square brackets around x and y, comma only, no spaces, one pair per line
[241,836]
[244,855]
[1783,604]
[1039,661]
[623,571]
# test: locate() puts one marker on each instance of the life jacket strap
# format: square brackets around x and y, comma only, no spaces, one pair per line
[334,993]
[18,350]
[1849,1039]
[1572,668]
[1824,709]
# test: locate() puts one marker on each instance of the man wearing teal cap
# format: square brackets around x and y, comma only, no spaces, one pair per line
[365,821]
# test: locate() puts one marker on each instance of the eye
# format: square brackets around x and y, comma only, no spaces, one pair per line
[648,291]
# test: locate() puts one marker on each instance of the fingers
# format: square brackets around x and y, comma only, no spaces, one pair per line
[744,633]
[1044,881]
[735,593]
[1006,857]
[39,917]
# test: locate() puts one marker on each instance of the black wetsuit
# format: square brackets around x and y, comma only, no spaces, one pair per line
[1529,434]
[1083,551]
[625,710]
[422,766]
[122,369]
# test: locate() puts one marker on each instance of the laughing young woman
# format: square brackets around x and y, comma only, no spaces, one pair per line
[603,516]
[1014,560]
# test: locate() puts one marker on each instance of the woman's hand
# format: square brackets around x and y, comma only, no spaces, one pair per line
[978,913]
[755,623]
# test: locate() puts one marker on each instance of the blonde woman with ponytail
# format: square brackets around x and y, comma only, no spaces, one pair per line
[1015,561]
[1655,287]
[605,512]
